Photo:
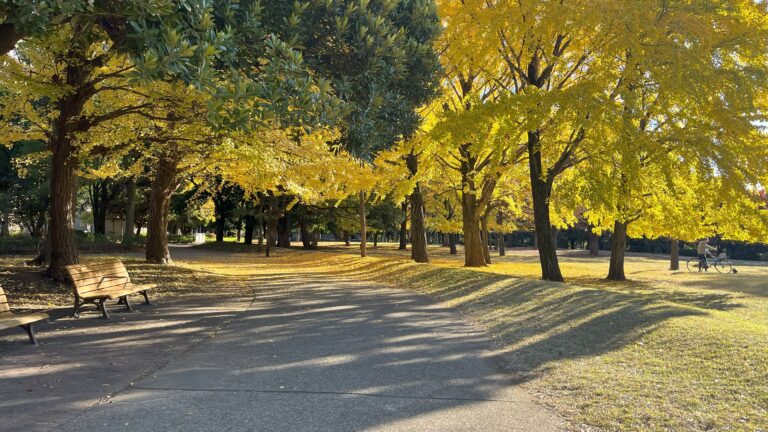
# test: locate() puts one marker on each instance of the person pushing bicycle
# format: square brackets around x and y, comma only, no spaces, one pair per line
[702,249]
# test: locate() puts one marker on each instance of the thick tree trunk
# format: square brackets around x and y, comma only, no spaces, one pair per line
[306,236]
[159,206]
[541,189]
[473,244]
[375,240]
[363,226]
[445,241]
[418,231]
[418,223]
[594,244]
[61,234]
[345,237]
[284,228]
[250,227]
[220,225]
[130,209]
[452,239]
[674,261]
[618,247]
[61,226]
[484,238]
[271,237]
[474,256]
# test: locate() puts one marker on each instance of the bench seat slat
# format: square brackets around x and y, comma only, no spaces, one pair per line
[85,277]
[117,292]
[10,319]
[86,271]
[107,284]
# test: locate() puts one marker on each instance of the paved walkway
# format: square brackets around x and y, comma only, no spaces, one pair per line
[303,354]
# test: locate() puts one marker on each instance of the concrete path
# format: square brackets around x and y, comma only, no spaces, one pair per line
[305,354]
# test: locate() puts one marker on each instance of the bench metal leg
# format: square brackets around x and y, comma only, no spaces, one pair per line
[78,306]
[30,332]
[146,297]
[103,308]
[124,300]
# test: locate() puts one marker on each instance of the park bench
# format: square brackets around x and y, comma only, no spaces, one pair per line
[97,283]
[9,319]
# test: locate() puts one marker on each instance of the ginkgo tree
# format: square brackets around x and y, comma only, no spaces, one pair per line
[564,67]
[684,122]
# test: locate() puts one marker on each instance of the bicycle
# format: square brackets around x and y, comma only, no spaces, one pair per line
[719,262]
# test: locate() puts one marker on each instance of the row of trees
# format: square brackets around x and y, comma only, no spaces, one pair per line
[645,119]
[170,90]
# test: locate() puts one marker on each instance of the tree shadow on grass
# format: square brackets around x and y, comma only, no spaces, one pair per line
[309,336]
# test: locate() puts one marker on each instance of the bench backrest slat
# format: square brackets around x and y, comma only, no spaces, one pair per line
[87,278]
[4,306]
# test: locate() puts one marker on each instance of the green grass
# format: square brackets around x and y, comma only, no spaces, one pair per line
[666,351]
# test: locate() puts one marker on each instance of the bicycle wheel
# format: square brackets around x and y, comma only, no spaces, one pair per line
[723,266]
[693,264]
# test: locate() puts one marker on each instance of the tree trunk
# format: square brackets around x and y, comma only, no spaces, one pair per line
[674,262]
[271,237]
[418,223]
[500,244]
[452,243]
[130,209]
[315,239]
[260,244]
[250,227]
[473,244]
[404,227]
[306,236]
[220,225]
[541,189]
[345,237]
[445,241]
[484,238]
[159,206]
[5,227]
[99,207]
[363,227]
[273,213]
[284,228]
[618,247]
[594,244]
[418,232]
[61,226]
[375,240]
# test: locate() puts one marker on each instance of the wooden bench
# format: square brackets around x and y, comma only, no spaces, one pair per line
[9,319]
[97,283]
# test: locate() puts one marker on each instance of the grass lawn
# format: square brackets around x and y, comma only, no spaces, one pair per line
[666,351]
